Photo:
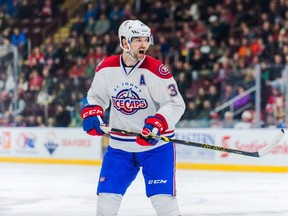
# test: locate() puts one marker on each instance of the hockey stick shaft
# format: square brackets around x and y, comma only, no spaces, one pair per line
[259,153]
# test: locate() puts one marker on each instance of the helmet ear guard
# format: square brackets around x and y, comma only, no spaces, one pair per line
[134,28]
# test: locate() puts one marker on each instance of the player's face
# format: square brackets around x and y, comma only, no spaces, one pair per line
[138,47]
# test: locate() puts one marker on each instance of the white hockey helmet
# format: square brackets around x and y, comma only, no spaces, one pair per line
[134,28]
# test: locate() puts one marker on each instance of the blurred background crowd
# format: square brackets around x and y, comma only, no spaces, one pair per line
[212,47]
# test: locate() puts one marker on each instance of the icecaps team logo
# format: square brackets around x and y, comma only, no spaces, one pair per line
[128,102]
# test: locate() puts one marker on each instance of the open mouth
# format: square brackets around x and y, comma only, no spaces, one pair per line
[142,52]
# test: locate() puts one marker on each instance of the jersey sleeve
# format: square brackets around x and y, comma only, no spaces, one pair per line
[166,94]
[98,93]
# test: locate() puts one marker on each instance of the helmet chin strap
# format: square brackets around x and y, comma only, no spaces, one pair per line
[132,56]
[128,52]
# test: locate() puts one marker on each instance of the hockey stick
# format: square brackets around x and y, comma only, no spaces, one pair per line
[259,153]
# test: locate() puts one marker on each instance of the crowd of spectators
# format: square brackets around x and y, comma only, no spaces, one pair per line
[210,46]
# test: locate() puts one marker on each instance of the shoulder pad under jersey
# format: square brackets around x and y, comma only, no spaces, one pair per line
[156,67]
[112,61]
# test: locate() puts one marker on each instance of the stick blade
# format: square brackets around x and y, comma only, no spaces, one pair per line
[272,144]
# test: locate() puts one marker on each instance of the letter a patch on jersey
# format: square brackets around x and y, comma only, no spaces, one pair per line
[142,80]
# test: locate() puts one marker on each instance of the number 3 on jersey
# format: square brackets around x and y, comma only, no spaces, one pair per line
[172,90]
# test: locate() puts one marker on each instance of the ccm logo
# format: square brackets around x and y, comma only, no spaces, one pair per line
[92,113]
[160,181]
[159,125]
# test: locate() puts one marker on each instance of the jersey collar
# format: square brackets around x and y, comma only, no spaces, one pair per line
[128,69]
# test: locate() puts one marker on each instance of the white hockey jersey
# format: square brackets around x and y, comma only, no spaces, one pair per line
[133,94]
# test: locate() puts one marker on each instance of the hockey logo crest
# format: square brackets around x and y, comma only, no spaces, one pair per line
[128,102]
[163,70]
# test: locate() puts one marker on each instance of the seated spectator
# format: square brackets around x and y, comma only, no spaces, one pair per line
[200,98]
[25,10]
[76,46]
[89,27]
[78,26]
[228,121]
[5,36]
[164,47]
[190,112]
[77,69]
[19,121]
[257,46]
[116,10]
[91,54]
[48,80]
[51,122]
[275,104]
[109,46]
[158,12]
[35,81]
[3,25]
[22,83]
[205,110]
[36,58]
[1,120]
[18,107]
[89,72]
[270,121]
[62,94]
[18,38]
[52,58]
[43,98]
[99,54]
[127,11]
[276,74]
[213,96]
[5,101]
[5,120]
[76,120]
[215,121]
[40,121]
[183,82]
[227,95]
[62,116]
[31,121]
[244,50]
[246,121]
[115,23]
[46,10]
[92,11]
[102,25]
[283,34]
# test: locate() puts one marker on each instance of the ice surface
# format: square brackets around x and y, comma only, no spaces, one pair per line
[69,190]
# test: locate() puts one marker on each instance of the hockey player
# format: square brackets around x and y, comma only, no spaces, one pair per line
[144,97]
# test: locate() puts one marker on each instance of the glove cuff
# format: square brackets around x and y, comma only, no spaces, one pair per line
[165,124]
[158,121]
[93,110]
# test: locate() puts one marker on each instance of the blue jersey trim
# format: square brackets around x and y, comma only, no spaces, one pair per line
[125,140]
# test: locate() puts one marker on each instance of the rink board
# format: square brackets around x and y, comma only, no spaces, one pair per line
[73,146]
